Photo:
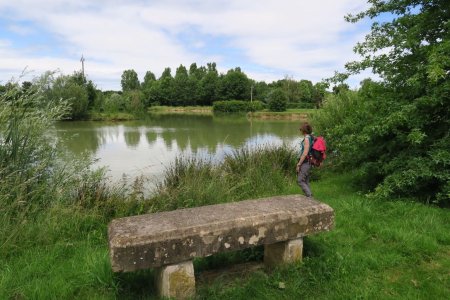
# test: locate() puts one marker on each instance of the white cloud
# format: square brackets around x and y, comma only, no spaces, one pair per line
[277,37]
[22,30]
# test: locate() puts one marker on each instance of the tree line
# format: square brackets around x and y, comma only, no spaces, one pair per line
[203,85]
[198,85]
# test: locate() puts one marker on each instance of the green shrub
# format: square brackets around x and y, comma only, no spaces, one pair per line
[99,101]
[400,145]
[277,100]
[114,103]
[255,106]
[134,101]
[235,106]
[301,105]
[387,142]
[69,88]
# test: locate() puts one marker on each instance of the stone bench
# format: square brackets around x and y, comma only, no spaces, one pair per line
[170,240]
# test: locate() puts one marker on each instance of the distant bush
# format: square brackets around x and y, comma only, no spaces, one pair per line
[72,89]
[134,101]
[234,106]
[277,100]
[255,106]
[114,103]
[230,106]
[99,101]
[301,105]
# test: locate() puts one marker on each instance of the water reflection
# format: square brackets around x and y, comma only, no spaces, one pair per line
[132,137]
[147,147]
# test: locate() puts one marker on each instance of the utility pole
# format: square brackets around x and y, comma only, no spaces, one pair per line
[251,94]
[82,65]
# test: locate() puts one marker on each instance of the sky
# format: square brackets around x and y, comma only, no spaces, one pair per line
[268,39]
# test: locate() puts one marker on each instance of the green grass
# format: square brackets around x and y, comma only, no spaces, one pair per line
[388,250]
[181,109]
[300,110]
[265,114]
[291,113]
[110,116]
[378,250]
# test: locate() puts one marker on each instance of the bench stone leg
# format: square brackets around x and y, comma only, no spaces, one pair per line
[176,281]
[283,252]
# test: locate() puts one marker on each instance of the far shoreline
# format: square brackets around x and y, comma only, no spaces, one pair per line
[289,114]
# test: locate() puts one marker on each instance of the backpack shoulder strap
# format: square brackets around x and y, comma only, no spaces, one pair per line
[311,142]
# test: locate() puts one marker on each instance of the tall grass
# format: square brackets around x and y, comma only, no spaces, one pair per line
[27,156]
[35,176]
[246,173]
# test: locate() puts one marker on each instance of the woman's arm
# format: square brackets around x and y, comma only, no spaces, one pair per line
[304,154]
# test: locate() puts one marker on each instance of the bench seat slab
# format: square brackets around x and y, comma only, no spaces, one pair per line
[159,239]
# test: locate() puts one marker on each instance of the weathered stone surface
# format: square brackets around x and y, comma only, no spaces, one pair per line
[176,281]
[283,252]
[159,239]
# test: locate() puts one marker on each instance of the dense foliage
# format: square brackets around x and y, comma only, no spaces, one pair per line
[396,132]
[204,85]
[73,89]
[277,100]
[81,94]
[188,87]
[235,106]
[129,80]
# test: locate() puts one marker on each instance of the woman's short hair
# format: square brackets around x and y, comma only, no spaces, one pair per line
[306,128]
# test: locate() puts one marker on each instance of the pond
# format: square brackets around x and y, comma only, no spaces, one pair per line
[147,147]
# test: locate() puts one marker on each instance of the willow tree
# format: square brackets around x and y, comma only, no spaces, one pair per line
[400,143]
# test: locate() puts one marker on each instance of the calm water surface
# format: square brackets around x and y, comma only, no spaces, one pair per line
[147,147]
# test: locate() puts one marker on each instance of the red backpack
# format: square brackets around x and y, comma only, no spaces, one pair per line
[317,153]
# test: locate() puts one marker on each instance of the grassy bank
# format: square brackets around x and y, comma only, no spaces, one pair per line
[390,250]
[203,110]
[289,114]
[117,116]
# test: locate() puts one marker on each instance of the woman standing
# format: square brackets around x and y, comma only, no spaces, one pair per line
[303,165]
